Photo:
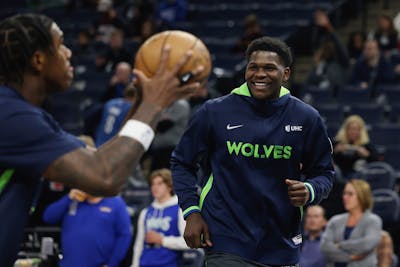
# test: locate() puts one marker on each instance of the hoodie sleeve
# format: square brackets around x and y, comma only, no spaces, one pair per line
[192,146]
[176,242]
[317,162]
[138,247]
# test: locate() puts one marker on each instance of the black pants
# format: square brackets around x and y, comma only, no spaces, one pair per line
[223,259]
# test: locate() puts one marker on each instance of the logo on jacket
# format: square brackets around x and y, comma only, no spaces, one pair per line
[231,127]
[105,209]
[162,223]
[259,150]
[293,128]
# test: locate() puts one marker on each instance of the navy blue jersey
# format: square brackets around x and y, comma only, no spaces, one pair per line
[253,146]
[30,140]
[114,113]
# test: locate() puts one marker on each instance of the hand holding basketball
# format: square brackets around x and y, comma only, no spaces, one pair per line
[164,88]
[148,56]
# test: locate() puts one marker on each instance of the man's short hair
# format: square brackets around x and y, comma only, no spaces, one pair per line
[272,45]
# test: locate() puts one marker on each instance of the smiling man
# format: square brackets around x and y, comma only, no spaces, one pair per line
[267,155]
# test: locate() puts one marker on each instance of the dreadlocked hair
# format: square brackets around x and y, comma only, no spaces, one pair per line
[20,37]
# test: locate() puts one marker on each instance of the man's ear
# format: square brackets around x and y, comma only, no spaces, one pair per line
[38,61]
[286,74]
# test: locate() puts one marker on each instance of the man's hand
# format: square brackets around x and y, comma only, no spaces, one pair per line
[77,195]
[196,232]
[298,192]
[153,237]
[321,19]
[164,88]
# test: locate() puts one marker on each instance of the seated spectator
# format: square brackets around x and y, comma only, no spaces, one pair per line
[350,239]
[352,146]
[136,13]
[201,95]
[95,231]
[386,35]
[160,227]
[148,28]
[355,45]
[319,30]
[384,250]
[331,61]
[252,30]
[372,68]
[119,81]
[113,116]
[170,128]
[114,53]
[311,254]
[106,22]
[82,46]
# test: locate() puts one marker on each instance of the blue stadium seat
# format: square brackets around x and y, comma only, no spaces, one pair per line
[380,175]
[385,134]
[317,96]
[349,95]
[332,129]
[392,93]
[392,156]
[395,112]
[331,113]
[227,61]
[371,113]
[387,206]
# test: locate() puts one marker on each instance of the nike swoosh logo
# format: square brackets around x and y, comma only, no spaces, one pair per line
[231,127]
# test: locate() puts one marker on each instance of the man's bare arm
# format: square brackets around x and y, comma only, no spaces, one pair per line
[103,172]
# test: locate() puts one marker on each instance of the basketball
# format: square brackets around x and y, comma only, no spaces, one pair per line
[148,56]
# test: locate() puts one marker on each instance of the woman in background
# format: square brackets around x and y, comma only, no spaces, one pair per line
[352,146]
[351,238]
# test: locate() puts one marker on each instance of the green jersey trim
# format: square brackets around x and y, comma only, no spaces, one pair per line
[244,90]
[188,210]
[5,178]
[311,189]
[205,190]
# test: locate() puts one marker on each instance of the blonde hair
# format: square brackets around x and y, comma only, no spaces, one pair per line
[341,136]
[363,192]
[166,176]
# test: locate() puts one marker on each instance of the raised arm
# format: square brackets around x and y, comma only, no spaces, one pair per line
[103,172]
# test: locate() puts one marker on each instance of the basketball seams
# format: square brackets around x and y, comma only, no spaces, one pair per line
[190,48]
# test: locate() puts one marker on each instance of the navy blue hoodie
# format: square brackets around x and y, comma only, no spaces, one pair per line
[252,146]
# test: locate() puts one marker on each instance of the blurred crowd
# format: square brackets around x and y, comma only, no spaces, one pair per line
[364,61]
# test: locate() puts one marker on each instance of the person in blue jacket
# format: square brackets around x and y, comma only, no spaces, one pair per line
[268,155]
[95,231]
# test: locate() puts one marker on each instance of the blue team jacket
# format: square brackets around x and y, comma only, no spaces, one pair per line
[252,146]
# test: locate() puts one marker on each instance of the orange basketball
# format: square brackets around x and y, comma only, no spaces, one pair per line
[148,56]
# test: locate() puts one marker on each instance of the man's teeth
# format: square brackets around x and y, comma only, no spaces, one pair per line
[260,84]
